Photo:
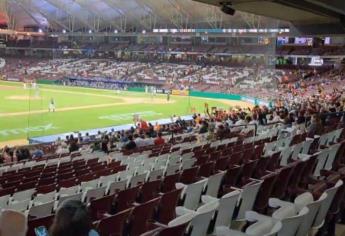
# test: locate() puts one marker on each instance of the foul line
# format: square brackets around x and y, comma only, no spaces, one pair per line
[61,109]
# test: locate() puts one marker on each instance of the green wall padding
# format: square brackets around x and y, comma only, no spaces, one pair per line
[136,89]
[195,93]
[46,81]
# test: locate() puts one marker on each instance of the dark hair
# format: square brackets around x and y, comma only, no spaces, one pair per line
[71,219]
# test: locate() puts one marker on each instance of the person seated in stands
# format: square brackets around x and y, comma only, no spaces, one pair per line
[198,120]
[99,135]
[67,139]
[80,138]
[140,140]
[301,118]
[204,127]
[72,219]
[315,127]
[87,138]
[157,128]
[73,144]
[148,141]
[105,144]
[241,121]
[12,223]
[58,142]
[6,156]
[38,153]
[25,153]
[123,137]
[130,145]
[150,132]
[20,154]
[143,126]
[159,140]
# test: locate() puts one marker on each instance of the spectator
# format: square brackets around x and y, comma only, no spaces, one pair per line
[204,127]
[38,153]
[157,127]
[87,138]
[159,140]
[130,145]
[105,144]
[72,219]
[6,156]
[12,223]
[315,127]
[73,145]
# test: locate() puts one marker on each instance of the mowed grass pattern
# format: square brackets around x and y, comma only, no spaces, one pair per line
[81,109]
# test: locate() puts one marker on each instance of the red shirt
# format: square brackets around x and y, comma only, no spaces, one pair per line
[159,141]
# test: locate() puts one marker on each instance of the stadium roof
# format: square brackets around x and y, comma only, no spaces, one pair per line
[309,16]
[122,15]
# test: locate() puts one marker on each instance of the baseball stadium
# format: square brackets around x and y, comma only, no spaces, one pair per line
[172,118]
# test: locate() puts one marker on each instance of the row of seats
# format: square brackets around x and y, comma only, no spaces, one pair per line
[209,175]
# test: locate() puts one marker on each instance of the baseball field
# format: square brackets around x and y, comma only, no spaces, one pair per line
[24,113]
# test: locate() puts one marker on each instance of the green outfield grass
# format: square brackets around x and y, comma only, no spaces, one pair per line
[24,113]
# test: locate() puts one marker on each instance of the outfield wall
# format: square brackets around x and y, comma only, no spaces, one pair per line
[192,93]
[229,96]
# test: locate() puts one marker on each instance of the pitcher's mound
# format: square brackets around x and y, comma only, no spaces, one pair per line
[23,98]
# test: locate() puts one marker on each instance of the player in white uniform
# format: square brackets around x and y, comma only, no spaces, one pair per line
[52,105]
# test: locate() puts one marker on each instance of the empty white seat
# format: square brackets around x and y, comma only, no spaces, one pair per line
[41,210]
[213,184]
[143,170]
[105,180]
[172,169]
[68,197]
[326,204]
[137,180]
[290,220]
[4,200]
[192,193]
[248,197]
[125,174]
[93,194]
[173,160]
[68,191]
[117,186]
[155,174]
[202,219]
[286,154]
[21,206]
[263,225]
[187,155]
[44,198]
[332,153]
[321,161]
[23,195]
[187,163]
[227,205]
[306,200]
[84,186]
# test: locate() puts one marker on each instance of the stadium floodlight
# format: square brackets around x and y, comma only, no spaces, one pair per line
[227,9]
